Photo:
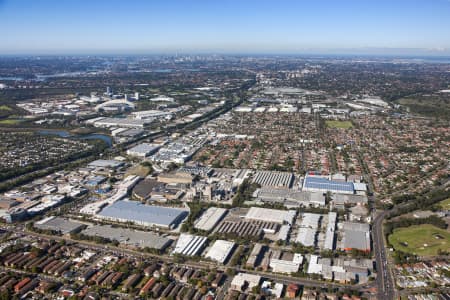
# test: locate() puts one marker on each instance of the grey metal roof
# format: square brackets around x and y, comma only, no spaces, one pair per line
[138,212]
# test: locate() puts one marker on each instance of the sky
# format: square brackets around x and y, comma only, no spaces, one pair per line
[225,26]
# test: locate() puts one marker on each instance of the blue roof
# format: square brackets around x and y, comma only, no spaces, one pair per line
[325,184]
[136,211]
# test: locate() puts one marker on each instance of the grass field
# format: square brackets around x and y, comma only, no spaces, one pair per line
[423,240]
[339,124]
[445,204]
[5,108]
[10,121]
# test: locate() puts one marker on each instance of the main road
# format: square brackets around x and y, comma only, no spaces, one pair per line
[385,283]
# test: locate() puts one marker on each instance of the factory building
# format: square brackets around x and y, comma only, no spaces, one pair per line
[320,184]
[271,215]
[286,265]
[210,218]
[141,214]
[330,232]
[307,233]
[220,251]
[273,179]
[356,236]
[143,150]
[189,245]
[245,280]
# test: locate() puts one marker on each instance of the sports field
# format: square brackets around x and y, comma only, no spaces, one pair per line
[423,240]
[339,124]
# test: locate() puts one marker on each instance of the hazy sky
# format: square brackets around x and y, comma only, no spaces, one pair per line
[238,26]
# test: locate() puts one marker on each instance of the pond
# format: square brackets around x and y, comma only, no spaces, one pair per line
[65,134]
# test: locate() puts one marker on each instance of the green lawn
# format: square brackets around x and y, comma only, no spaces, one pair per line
[339,124]
[5,107]
[423,240]
[10,121]
[445,204]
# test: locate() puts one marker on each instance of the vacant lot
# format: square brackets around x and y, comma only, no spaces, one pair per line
[423,240]
[339,124]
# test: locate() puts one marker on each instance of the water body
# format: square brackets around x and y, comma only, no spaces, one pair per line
[65,134]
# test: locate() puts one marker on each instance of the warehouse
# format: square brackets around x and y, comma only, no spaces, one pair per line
[356,236]
[143,150]
[273,179]
[271,215]
[133,238]
[288,263]
[65,226]
[309,226]
[120,122]
[189,245]
[102,163]
[245,280]
[320,184]
[290,197]
[220,251]
[330,232]
[141,214]
[144,189]
[210,218]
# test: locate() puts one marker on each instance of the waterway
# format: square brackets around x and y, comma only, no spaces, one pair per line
[65,134]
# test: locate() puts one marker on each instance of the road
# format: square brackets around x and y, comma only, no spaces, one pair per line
[286,279]
[385,283]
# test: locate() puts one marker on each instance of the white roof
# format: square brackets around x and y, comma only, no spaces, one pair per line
[220,250]
[270,215]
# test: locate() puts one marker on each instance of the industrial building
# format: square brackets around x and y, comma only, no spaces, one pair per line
[356,236]
[129,237]
[102,163]
[63,225]
[151,114]
[189,245]
[286,263]
[141,214]
[290,197]
[143,150]
[309,226]
[220,251]
[144,189]
[118,122]
[330,231]
[320,184]
[271,215]
[245,280]
[210,218]
[273,179]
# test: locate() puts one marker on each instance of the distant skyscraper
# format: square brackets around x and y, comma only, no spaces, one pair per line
[136,96]
[108,90]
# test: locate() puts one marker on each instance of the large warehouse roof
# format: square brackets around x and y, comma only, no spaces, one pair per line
[323,184]
[271,215]
[210,218]
[129,237]
[220,251]
[145,214]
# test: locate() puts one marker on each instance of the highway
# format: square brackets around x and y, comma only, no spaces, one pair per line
[385,283]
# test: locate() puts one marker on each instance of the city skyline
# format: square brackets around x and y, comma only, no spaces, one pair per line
[291,27]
